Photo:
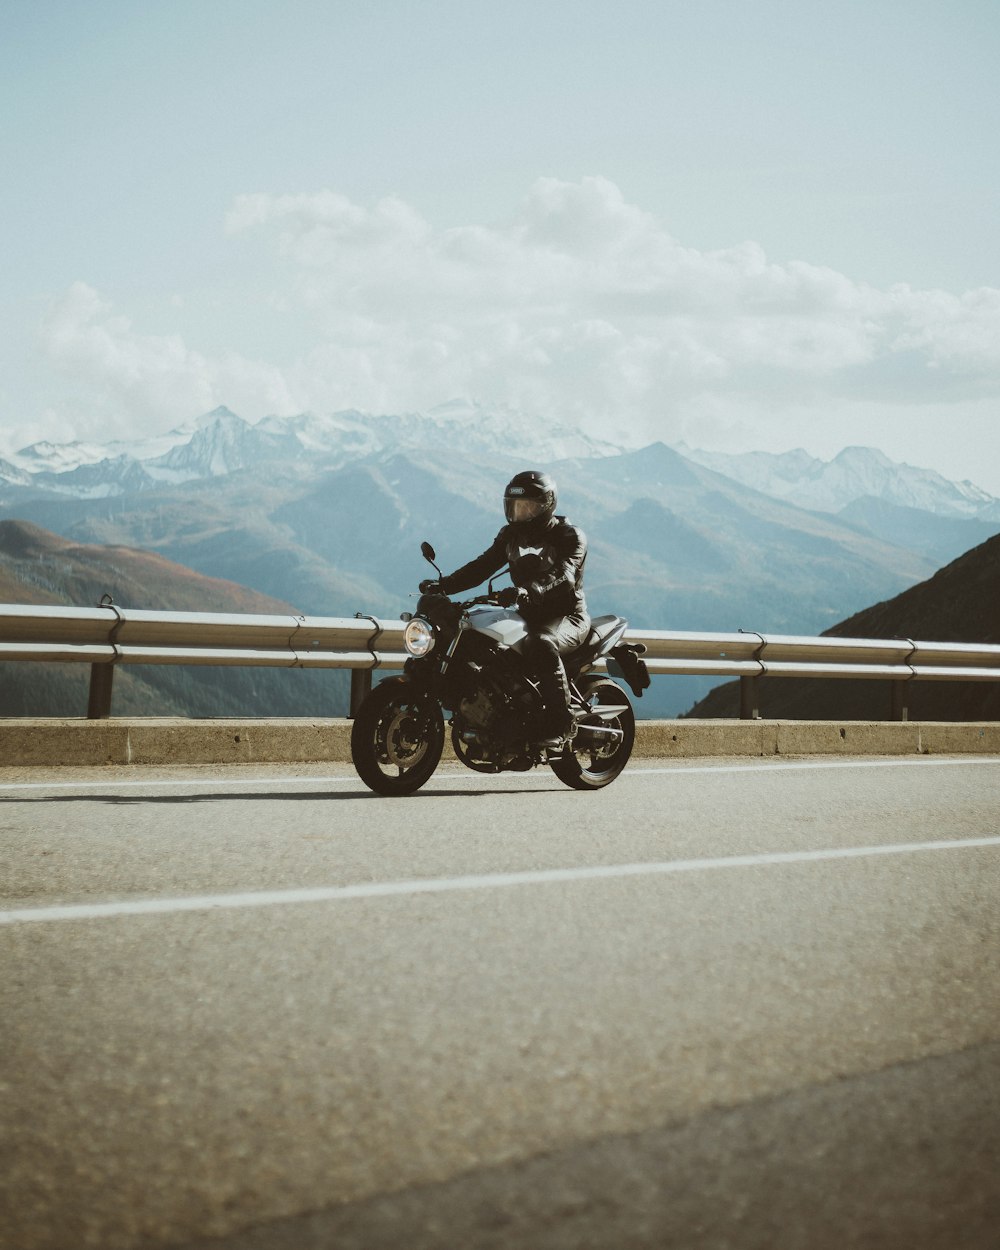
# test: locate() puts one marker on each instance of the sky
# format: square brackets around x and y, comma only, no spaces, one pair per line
[743,224]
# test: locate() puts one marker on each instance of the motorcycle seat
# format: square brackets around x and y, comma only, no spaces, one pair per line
[601,628]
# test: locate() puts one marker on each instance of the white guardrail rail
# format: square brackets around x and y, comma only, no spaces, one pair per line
[109,635]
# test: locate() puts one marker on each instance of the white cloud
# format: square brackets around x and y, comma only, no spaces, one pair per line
[140,381]
[580,306]
[582,300]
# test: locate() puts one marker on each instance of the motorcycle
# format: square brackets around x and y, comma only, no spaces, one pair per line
[464,658]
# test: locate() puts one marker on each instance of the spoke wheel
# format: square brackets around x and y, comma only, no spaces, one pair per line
[593,760]
[397,738]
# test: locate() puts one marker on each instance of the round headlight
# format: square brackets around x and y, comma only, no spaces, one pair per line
[418,637]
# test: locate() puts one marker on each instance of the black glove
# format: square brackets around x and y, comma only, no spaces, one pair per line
[509,597]
[430,586]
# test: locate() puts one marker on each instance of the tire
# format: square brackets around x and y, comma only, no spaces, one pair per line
[591,765]
[397,738]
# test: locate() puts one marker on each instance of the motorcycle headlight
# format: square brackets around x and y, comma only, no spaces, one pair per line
[418,637]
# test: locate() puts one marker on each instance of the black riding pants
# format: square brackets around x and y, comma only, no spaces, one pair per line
[547,642]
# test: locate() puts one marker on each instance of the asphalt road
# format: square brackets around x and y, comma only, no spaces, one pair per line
[722,1004]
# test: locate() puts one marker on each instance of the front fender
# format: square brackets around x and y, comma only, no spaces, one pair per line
[418,673]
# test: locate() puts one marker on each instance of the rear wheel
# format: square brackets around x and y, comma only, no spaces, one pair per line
[397,738]
[594,759]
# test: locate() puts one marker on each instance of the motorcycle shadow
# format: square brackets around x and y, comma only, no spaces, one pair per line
[472,794]
[307,796]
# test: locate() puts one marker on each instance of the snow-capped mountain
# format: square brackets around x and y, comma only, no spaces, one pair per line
[451,426]
[12,474]
[506,430]
[46,457]
[221,446]
[220,443]
[215,445]
[856,473]
[343,434]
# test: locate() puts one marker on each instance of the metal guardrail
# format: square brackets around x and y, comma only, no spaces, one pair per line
[110,635]
[751,656]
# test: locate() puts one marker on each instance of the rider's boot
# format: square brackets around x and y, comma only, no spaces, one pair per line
[557,720]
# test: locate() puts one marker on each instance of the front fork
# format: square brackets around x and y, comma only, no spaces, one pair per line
[453,645]
[429,671]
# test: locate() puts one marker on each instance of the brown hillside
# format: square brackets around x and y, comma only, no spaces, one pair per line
[38,567]
[960,603]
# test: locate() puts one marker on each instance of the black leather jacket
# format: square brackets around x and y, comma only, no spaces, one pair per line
[545,560]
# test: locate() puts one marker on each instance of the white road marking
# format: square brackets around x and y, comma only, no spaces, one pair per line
[759,763]
[492,881]
[752,764]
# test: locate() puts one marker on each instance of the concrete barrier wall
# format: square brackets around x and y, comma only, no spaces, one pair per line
[30,742]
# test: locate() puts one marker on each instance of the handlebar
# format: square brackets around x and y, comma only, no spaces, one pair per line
[471,603]
[463,605]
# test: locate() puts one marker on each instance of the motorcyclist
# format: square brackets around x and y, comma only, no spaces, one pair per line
[546,555]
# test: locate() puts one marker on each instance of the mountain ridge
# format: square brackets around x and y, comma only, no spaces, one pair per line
[220,442]
[958,603]
[854,473]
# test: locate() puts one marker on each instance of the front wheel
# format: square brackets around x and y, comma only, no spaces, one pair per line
[397,738]
[594,758]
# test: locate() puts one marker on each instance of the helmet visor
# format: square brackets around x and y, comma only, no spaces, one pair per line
[520,510]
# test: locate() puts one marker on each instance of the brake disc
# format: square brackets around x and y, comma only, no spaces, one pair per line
[403,745]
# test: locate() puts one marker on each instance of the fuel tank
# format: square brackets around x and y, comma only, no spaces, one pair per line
[502,625]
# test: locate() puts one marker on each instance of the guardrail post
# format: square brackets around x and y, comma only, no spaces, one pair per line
[102,678]
[749,698]
[361,688]
[899,706]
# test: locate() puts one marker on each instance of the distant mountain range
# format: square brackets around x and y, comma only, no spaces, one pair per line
[327,514]
[220,443]
[856,474]
[960,603]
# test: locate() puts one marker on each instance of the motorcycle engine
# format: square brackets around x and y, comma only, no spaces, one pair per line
[479,709]
[496,705]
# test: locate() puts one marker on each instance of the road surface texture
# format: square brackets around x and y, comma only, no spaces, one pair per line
[718,1004]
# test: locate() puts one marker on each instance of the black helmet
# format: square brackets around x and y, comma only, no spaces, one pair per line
[535,492]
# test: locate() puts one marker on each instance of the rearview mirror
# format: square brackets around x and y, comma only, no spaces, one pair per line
[427,551]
